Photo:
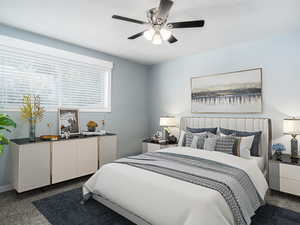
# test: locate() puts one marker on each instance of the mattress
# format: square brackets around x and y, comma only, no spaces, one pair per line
[260,162]
[147,194]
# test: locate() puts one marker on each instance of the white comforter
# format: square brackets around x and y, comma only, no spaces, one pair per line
[162,200]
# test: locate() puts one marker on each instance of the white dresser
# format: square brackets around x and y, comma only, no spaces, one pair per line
[43,163]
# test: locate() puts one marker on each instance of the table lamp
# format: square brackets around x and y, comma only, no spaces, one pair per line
[166,122]
[292,127]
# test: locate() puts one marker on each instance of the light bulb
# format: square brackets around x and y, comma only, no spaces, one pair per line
[149,34]
[166,34]
[156,39]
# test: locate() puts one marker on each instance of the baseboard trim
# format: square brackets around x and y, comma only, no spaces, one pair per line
[5,188]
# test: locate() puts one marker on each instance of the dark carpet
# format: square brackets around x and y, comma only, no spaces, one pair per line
[65,209]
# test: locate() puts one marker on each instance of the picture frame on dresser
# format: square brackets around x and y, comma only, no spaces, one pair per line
[68,121]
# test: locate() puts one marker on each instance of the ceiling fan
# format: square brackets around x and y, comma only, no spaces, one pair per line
[160,30]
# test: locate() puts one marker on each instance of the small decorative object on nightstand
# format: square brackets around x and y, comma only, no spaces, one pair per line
[278,148]
[292,127]
[165,123]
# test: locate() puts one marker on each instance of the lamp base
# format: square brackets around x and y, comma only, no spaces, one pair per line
[294,148]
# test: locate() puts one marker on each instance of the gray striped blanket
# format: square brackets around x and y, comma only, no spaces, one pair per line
[232,183]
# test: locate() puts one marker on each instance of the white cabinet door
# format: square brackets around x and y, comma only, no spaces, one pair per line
[33,167]
[153,147]
[87,156]
[107,149]
[64,160]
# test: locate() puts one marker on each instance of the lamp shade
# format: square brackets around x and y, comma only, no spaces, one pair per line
[167,122]
[291,126]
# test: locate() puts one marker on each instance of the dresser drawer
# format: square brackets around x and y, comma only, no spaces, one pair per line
[290,171]
[290,186]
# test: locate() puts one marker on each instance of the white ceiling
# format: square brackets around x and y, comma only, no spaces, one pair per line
[88,23]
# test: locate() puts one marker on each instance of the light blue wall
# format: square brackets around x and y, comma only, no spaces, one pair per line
[129,116]
[279,57]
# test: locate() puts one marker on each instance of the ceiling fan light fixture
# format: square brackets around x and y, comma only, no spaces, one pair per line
[149,34]
[156,39]
[165,34]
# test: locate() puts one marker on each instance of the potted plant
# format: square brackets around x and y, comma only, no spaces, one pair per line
[92,126]
[278,148]
[33,112]
[5,124]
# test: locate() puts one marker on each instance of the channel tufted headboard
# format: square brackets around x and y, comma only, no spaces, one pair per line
[242,124]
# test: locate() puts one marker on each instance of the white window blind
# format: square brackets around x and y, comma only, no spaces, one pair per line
[60,78]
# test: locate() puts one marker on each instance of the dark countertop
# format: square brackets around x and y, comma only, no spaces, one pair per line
[156,142]
[286,158]
[24,141]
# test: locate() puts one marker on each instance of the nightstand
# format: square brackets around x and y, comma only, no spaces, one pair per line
[284,175]
[151,147]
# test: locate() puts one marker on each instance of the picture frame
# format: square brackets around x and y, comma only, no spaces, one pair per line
[68,120]
[238,92]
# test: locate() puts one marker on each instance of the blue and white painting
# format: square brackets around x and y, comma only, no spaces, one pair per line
[235,92]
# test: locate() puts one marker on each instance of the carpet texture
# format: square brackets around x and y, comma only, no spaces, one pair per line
[65,209]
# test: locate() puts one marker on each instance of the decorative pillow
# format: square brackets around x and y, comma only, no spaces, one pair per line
[194,140]
[245,144]
[181,138]
[201,130]
[236,145]
[211,135]
[200,139]
[210,144]
[257,136]
[241,146]
[225,144]
[188,139]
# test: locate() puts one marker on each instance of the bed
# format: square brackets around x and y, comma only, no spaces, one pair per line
[156,193]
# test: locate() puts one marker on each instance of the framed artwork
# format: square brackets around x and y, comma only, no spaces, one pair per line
[234,92]
[68,121]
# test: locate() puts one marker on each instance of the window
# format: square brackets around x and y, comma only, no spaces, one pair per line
[60,78]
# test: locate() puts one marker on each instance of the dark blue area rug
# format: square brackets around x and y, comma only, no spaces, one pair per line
[65,209]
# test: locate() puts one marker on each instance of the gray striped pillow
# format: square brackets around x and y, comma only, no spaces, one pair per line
[225,144]
[190,136]
[210,144]
[188,139]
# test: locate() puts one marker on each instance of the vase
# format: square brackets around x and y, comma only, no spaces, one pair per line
[91,129]
[32,126]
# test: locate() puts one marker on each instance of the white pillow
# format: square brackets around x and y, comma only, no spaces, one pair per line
[245,146]
[181,138]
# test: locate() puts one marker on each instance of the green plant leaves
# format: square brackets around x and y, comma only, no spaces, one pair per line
[6,121]
[4,128]
[3,141]
[1,149]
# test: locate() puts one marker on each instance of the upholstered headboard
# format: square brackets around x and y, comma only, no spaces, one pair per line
[242,124]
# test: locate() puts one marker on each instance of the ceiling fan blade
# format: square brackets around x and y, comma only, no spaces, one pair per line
[172,39]
[164,8]
[128,19]
[187,24]
[136,35]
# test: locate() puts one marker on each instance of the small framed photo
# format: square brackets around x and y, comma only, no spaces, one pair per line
[68,120]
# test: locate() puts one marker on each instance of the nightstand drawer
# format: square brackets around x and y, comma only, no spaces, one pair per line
[290,171]
[290,186]
[153,147]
